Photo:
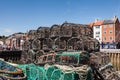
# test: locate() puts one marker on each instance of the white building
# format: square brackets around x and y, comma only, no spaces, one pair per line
[1,42]
[97,30]
[97,33]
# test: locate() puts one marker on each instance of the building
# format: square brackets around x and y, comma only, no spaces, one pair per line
[107,32]
[1,42]
[16,41]
[97,29]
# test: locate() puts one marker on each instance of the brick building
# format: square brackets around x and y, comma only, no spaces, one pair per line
[107,32]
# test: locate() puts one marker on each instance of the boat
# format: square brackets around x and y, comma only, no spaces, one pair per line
[5,76]
[10,72]
[6,67]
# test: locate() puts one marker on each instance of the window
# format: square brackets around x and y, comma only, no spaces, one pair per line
[97,27]
[97,32]
[110,31]
[104,38]
[110,38]
[104,32]
[97,36]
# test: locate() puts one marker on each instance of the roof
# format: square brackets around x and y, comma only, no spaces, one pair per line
[103,22]
[109,21]
[98,23]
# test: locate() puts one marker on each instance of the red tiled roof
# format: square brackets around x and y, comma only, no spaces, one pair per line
[98,23]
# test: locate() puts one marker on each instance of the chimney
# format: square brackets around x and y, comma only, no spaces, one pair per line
[115,17]
[96,20]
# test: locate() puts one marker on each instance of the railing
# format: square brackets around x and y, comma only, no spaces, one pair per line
[110,50]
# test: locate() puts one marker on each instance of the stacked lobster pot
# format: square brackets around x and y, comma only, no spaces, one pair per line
[102,62]
[68,36]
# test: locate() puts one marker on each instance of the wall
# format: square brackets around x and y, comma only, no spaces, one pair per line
[107,28]
[114,55]
[117,32]
[97,30]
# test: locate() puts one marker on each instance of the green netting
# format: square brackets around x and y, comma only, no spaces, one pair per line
[23,67]
[33,72]
[57,59]
[56,74]
[68,76]
[41,74]
[75,54]
[49,71]
[89,75]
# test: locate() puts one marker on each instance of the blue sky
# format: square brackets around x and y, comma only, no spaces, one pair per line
[24,15]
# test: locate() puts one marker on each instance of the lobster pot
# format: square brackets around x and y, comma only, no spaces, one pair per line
[73,58]
[56,74]
[41,75]
[23,67]
[33,72]
[89,74]
[49,72]
[83,73]
[69,76]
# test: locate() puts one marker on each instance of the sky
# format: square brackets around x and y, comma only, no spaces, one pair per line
[24,15]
